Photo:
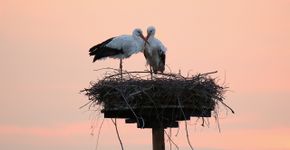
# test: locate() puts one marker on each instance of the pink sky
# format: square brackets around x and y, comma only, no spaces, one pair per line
[44,63]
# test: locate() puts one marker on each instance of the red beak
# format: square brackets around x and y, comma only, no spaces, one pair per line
[148,35]
[145,39]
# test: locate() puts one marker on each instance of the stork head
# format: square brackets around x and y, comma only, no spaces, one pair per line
[150,32]
[138,33]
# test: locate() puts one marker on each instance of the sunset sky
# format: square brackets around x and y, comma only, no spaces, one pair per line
[44,64]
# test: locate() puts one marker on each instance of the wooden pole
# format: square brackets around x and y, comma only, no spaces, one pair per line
[158,138]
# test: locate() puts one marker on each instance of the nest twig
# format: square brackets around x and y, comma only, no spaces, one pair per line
[138,90]
[197,91]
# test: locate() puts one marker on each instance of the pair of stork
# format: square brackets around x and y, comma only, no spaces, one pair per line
[124,46]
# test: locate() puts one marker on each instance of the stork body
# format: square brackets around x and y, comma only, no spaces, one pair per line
[154,52]
[120,47]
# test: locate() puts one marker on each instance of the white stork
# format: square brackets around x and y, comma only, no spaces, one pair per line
[154,52]
[121,47]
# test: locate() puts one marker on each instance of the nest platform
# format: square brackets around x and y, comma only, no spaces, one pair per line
[155,102]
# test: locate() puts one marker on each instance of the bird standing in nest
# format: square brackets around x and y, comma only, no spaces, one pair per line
[154,52]
[120,47]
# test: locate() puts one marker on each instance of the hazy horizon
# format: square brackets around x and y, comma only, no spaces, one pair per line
[45,63]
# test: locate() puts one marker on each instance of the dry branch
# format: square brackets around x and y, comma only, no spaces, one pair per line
[160,100]
[198,93]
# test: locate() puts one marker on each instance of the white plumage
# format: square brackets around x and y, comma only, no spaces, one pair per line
[122,46]
[154,52]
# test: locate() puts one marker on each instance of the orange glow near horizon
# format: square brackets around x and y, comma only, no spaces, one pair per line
[44,64]
[255,139]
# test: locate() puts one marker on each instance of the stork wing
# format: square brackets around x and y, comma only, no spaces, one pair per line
[103,44]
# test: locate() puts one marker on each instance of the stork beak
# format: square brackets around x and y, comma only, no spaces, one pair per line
[148,35]
[145,39]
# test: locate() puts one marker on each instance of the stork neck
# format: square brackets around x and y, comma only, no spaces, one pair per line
[136,37]
[138,40]
[150,37]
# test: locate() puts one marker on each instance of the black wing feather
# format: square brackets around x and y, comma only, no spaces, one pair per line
[163,57]
[161,66]
[101,50]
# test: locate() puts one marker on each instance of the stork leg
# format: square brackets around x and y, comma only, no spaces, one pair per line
[121,68]
[151,73]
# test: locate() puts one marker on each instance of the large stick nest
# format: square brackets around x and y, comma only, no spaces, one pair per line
[116,91]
